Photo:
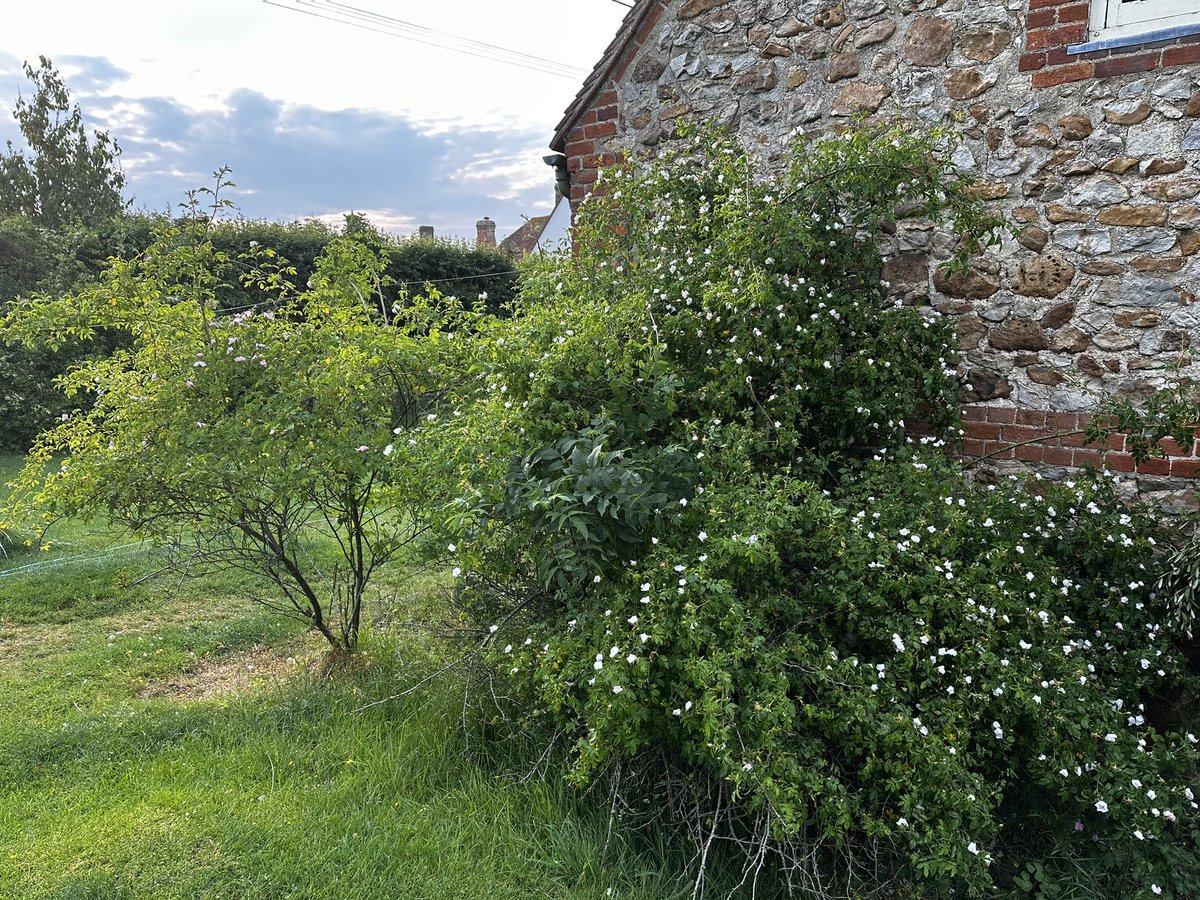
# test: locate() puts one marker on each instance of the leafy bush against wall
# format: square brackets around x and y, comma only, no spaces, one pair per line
[694,532]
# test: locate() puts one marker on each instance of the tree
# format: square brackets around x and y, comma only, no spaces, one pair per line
[284,441]
[67,177]
[36,259]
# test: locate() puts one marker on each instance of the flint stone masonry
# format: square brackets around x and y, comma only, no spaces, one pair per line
[1094,159]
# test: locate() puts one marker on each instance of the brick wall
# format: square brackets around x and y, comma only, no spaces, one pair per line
[1054,25]
[582,149]
[595,137]
[1053,439]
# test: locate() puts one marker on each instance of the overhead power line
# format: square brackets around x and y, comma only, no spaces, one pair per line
[355,17]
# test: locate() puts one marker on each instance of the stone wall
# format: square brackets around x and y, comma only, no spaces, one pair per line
[1097,294]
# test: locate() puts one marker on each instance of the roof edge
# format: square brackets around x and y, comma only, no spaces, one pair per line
[594,83]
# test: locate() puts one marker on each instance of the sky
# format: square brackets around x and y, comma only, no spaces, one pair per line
[318,117]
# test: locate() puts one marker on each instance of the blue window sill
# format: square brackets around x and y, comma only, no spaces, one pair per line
[1136,40]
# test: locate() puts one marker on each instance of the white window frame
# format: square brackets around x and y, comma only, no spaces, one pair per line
[1124,19]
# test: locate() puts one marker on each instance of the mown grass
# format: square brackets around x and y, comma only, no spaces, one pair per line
[289,786]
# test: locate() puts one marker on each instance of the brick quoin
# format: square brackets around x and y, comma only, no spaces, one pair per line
[1041,18]
[1062,75]
[585,145]
[600,129]
[1045,38]
[1181,56]
[1059,56]
[1031,61]
[1075,13]
[1053,25]
[580,148]
[1128,65]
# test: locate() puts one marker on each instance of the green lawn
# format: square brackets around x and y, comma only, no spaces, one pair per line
[164,739]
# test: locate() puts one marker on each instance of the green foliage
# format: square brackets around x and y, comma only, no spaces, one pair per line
[32,259]
[67,178]
[35,258]
[594,505]
[742,322]
[455,269]
[705,535]
[452,267]
[1179,584]
[1170,413]
[246,440]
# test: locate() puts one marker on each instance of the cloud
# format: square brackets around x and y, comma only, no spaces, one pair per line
[9,65]
[87,75]
[295,161]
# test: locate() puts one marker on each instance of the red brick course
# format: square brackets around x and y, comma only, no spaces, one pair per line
[1181,56]
[1053,25]
[1062,75]
[1054,439]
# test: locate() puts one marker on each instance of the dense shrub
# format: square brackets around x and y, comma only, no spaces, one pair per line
[694,529]
[454,267]
[36,259]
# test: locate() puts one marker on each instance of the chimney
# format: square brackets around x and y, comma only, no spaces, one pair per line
[485,233]
[425,232]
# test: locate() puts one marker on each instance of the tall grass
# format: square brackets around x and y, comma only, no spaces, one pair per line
[115,785]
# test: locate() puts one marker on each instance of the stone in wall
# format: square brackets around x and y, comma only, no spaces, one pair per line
[929,41]
[1044,276]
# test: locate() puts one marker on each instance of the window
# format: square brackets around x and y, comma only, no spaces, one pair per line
[1119,21]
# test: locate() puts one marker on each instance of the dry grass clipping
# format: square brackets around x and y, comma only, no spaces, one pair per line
[230,674]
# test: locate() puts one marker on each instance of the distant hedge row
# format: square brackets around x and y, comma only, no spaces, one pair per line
[36,260]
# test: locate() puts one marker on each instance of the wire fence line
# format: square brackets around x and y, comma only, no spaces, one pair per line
[35,568]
